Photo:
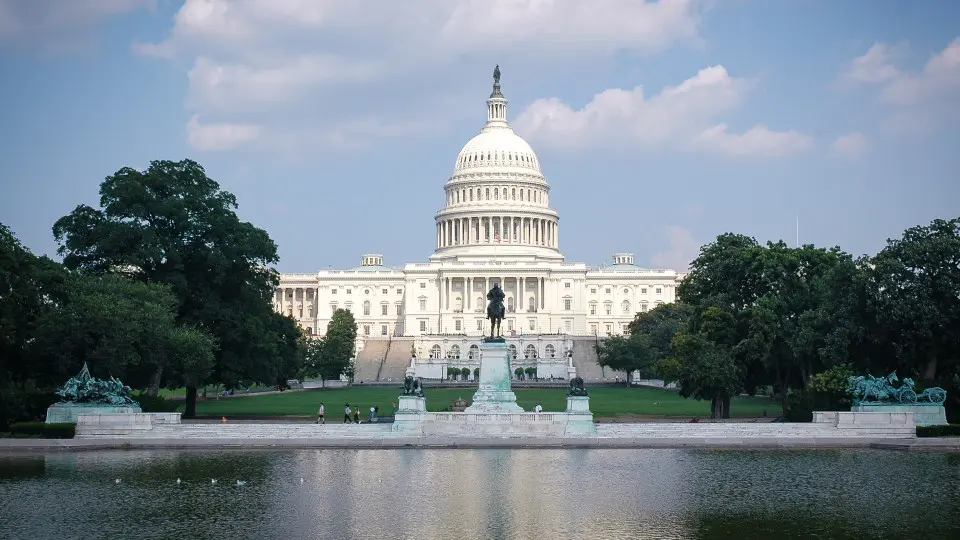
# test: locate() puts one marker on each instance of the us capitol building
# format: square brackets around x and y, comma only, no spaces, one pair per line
[496,226]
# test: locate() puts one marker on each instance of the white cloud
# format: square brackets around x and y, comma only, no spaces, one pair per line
[916,100]
[852,145]
[46,21]
[220,136]
[680,252]
[682,115]
[261,57]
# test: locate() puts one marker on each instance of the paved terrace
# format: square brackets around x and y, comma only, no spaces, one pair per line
[729,435]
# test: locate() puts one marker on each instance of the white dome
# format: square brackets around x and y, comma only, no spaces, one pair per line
[497,148]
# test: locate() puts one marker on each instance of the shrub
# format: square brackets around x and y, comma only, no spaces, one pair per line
[951,430]
[155,403]
[23,401]
[800,406]
[42,430]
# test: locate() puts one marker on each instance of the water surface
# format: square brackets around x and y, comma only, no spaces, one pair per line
[481,494]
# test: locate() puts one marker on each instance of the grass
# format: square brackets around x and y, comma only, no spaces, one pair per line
[604,402]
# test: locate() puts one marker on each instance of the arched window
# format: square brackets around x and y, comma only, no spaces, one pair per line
[458,304]
[531,304]
[486,193]
[530,351]
[474,352]
[455,352]
[366,307]
[513,193]
[513,351]
[496,194]
[479,303]
[626,307]
[435,351]
[510,304]
[521,194]
[550,351]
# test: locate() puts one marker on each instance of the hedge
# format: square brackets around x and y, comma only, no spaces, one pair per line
[950,430]
[42,430]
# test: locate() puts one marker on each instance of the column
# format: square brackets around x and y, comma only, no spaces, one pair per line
[467,294]
[543,289]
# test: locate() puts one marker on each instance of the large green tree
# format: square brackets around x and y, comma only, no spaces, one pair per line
[329,357]
[628,353]
[172,224]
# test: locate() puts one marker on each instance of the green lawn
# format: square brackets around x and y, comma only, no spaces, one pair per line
[604,402]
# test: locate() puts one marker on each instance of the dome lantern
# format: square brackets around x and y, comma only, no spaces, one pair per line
[496,106]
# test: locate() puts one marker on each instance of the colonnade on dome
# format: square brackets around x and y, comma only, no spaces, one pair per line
[476,230]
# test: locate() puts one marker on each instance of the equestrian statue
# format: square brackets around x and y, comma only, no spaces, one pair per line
[495,312]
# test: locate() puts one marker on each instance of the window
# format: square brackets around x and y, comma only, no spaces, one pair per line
[333,308]
[423,304]
[567,304]
[550,351]
[531,304]
[593,290]
[423,284]
[593,308]
[510,325]
[435,352]
[568,326]
[512,347]
[626,291]
[566,285]
[608,308]
[474,353]
[383,291]
[593,329]
[423,326]
[333,291]
[607,290]
[626,307]
[399,309]
[366,308]
[643,290]
[609,329]
[399,291]
[349,291]
[366,329]
[530,351]
[455,352]
[383,329]
[480,325]
[384,309]
[659,290]
[533,324]
[457,324]
[366,291]
[348,306]
[643,308]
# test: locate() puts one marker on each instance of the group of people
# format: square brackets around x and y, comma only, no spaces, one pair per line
[350,415]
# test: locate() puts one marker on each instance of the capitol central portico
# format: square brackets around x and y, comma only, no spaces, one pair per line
[496,226]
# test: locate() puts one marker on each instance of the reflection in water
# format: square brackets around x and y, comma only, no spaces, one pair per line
[480,494]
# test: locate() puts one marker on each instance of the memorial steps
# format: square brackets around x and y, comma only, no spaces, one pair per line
[369,359]
[748,430]
[396,362]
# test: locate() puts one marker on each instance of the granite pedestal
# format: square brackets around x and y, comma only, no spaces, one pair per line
[67,413]
[923,414]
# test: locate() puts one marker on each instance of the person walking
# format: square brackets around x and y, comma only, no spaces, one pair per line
[538,409]
[346,414]
[356,415]
[320,414]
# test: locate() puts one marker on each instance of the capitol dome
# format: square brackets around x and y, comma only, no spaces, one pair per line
[497,199]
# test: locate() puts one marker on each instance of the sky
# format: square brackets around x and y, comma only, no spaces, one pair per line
[658,125]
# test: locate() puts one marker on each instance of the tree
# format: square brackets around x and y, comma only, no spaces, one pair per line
[329,357]
[628,353]
[465,373]
[123,328]
[707,370]
[530,372]
[172,224]
[518,373]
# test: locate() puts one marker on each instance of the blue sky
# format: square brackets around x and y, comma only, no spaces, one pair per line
[336,123]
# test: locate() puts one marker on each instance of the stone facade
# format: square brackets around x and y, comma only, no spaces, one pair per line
[496,226]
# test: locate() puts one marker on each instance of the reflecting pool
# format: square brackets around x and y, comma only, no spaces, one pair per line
[481,494]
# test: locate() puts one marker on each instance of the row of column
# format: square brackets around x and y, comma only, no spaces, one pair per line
[505,229]
[447,292]
[289,302]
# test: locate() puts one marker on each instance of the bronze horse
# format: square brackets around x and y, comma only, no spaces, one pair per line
[495,310]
